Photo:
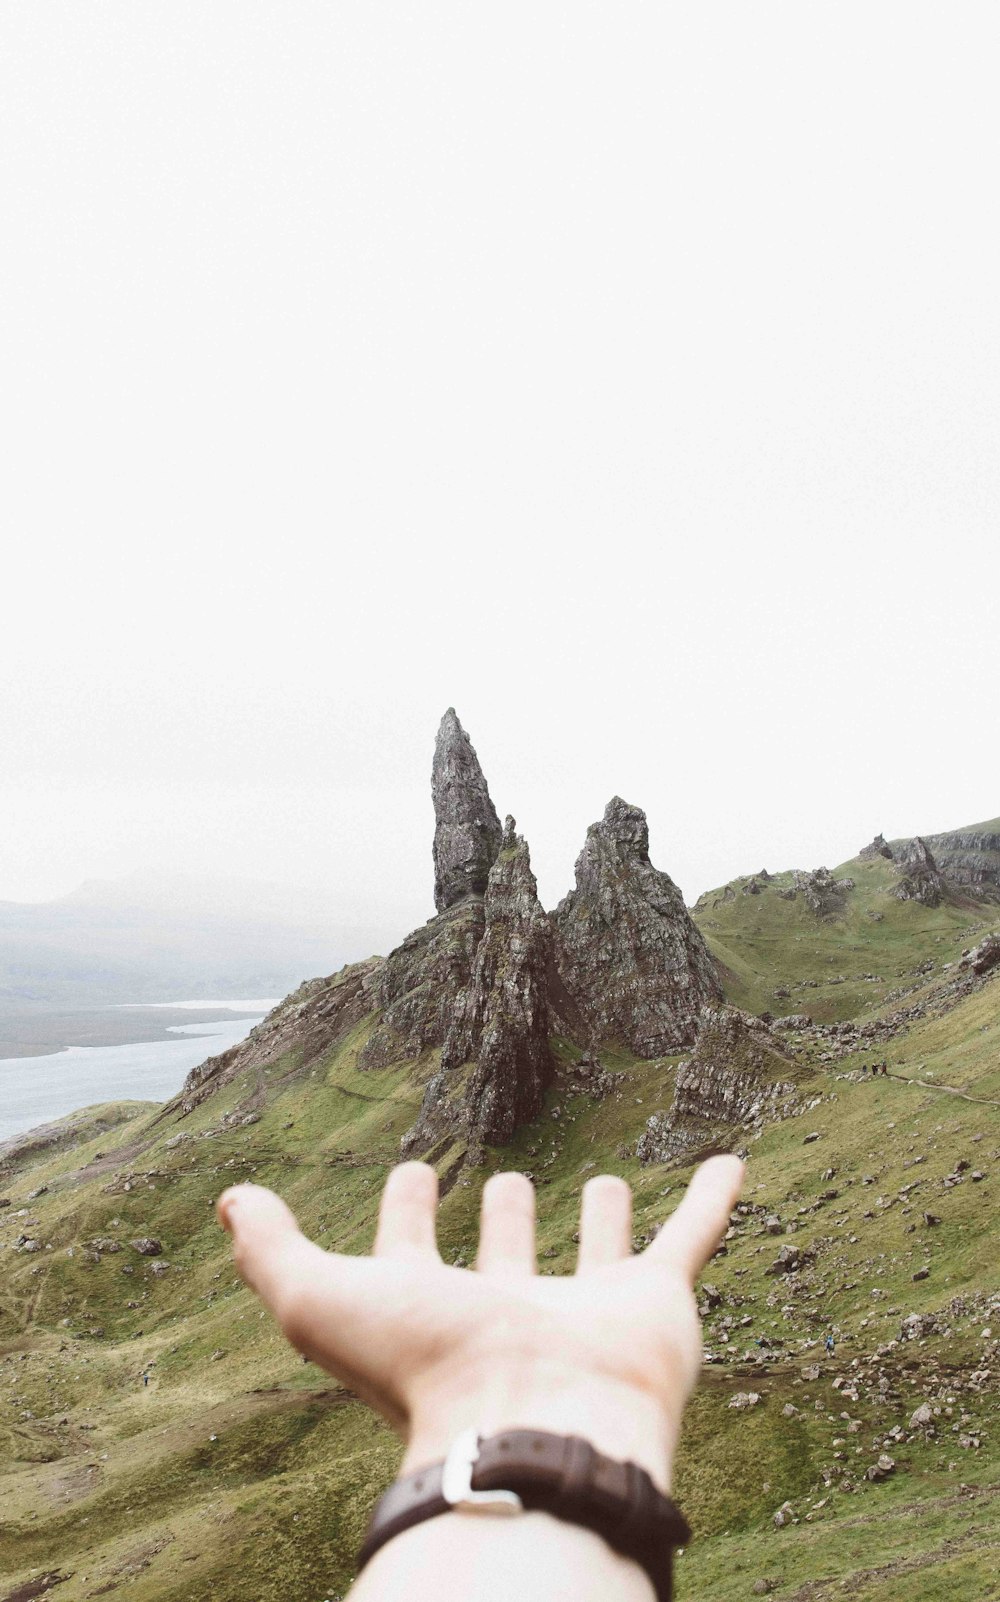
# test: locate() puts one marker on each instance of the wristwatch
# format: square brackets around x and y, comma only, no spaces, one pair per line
[530,1470]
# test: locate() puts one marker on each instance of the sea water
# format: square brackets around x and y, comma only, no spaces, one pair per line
[35,1090]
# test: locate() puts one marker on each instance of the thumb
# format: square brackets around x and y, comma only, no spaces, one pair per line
[695,1228]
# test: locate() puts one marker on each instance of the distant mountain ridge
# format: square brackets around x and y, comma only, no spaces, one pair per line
[159,938]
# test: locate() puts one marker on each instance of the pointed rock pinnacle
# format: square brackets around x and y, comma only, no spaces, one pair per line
[467,832]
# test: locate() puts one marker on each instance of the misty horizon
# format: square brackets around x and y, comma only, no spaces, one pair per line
[151,884]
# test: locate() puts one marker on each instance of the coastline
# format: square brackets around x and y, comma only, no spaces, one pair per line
[47,1031]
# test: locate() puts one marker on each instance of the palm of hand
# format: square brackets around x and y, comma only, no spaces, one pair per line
[425,1342]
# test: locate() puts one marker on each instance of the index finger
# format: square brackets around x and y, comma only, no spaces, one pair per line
[695,1228]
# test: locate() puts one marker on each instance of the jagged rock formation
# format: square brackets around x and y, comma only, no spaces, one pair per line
[466,827]
[629,953]
[422,982]
[501,1021]
[740,1075]
[822,893]
[510,1005]
[877,848]
[968,858]
[426,979]
[921,879]
[984,957]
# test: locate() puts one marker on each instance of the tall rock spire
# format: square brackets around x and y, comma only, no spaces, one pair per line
[630,954]
[505,1021]
[467,831]
[500,1023]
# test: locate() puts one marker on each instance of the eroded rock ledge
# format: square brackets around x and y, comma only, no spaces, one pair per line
[739,1076]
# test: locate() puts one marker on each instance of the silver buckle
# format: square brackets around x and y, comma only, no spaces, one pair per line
[456,1481]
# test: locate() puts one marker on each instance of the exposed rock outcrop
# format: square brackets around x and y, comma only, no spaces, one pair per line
[967,858]
[510,1000]
[822,893]
[921,881]
[426,980]
[629,953]
[877,848]
[739,1076]
[421,984]
[984,957]
[501,1021]
[466,827]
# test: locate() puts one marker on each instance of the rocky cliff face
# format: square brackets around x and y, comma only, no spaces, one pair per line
[509,1001]
[466,827]
[739,1076]
[501,1021]
[966,858]
[426,980]
[422,982]
[629,953]
[921,880]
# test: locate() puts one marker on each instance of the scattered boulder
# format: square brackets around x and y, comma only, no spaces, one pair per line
[744,1400]
[147,1246]
[790,1260]
[916,1326]
[984,957]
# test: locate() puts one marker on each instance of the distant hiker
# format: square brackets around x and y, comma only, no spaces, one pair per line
[829,1344]
[864,1067]
[145,1379]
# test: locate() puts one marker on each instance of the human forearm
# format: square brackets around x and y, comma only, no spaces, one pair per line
[531,1558]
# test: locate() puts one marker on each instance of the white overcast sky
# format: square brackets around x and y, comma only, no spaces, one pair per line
[624,374]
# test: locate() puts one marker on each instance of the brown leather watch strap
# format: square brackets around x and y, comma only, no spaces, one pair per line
[558,1474]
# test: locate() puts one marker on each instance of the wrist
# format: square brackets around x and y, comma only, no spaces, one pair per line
[618,1419]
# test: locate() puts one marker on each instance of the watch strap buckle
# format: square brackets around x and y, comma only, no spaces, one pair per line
[456,1481]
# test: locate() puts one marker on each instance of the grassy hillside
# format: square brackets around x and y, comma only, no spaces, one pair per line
[838,966]
[240,1470]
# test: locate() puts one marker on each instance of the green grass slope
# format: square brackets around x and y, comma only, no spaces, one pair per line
[240,1470]
[832,967]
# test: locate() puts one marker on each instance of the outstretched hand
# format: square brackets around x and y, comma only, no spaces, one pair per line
[611,1352]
